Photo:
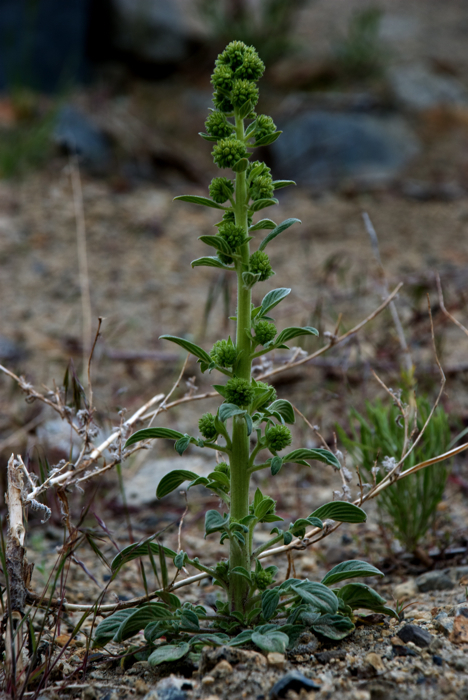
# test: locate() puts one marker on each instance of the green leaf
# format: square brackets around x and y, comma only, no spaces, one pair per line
[189,620]
[137,550]
[156,630]
[245,109]
[168,652]
[214,522]
[300,526]
[139,619]
[217,242]
[242,572]
[350,569]
[241,165]
[287,537]
[108,627]
[221,389]
[265,505]
[259,204]
[150,433]
[182,444]
[249,279]
[270,600]
[273,298]
[359,595]
[278,184]
[262,224]
[273,640]
[293,332]
[227,410]
[179,560]
[208,137]
[266,140]
[220,477]
[276,464]
[170,482]
[318,453]
[284,408]
[199,200]
[210,262]
[317,595]
[239,537]
[333,626]
[276,231]
[243,638]
[341,511]
[189,346]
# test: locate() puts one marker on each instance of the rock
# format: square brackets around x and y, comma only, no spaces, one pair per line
[276,659]
[324,149]
[171,688]
[222,668]
[207,680]
[76,133]
[400,650]
[406,590]
[154,32]
[9,350]
[443,623]
[253,660]
[459,634]
[140,488]
[324,657]
[424,615]
[375,661]
[434,581]
[413,633]
[417,88]
[292,681]
[437,660]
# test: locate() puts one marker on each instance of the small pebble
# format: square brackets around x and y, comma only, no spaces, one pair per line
[222,668]
[438,660]
[207,680]
[276,659]
[375,661]
[415,634]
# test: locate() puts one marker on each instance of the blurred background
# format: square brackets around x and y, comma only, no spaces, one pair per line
[100,105]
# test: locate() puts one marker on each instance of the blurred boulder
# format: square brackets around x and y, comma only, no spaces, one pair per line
[140,488]
[327,149]
[154,31]
[417,88]
[75,133]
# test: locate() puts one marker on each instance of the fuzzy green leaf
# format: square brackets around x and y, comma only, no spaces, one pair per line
[272,299]
[243,638]
[276,231]
[220,478]
[333,626]
[266,140]
[265,505]
[189,346]
[262,224]
[108,627]
[242,572]
[276,464]
[227,410]
[249,279]
[318,453]
[173,480]
[350,569]
[284,408]
[217,242]
[245,109]
[270,600]
[317,595]
[293,332]
[182,444]
[189,620]
[139,549]
[359,595]
[208,137]
[204,201]
[259,204]
[214,522]
[150,433]
[168,652]
[278,184]
[241,165]
[270,641]
[139,619]
[341,511]
[179,560]
[210,262]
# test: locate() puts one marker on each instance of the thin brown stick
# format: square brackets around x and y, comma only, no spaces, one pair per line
[444,310]
[90,385]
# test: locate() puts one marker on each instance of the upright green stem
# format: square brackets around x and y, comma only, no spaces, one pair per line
[240,478]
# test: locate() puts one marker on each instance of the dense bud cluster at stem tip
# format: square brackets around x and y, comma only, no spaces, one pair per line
[228,151]
[278,437]
[206,425]
[239,392]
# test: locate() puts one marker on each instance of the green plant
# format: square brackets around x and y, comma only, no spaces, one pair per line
[256,609]
[360,54]
[377,444]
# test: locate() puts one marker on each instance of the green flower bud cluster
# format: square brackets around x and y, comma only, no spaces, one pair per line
[224,353]
[206,425]
[224,468]
[244,91]
[239,392]
[227,152]
[263,579]
[234,235]
[264,126]
[243,60]
[222,571]
[237,67]
[259,263]
[221,189]
[218,126]
[278,437]
[264,332]
[262,187]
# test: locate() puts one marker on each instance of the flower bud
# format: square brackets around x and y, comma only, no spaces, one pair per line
[262,187]
[244,91]
[278,437]
[227,152]
[239,392]
[234,235]
[221,189]
[207,427]
[217,125]
[264,332]
[224,353]
[222,102]
[224,468]
[222,78]
[259,263]
[264,126]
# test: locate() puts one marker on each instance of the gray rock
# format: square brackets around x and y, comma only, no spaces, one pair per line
[417,88]
[76,133]
[140,489]
[415,634]
[292,681]
[152,31]
[443,623]
[434,581]
[324,149]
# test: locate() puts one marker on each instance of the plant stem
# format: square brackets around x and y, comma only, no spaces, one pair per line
[240,554]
